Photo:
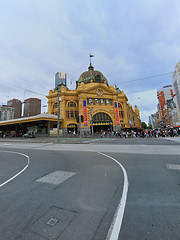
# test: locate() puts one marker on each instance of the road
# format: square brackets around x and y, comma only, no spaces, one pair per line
[77,189]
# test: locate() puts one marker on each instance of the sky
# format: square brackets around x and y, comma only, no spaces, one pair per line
[131,41]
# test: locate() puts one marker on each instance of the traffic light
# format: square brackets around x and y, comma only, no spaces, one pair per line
[82,118]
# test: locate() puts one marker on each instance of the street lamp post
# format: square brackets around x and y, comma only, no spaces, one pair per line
[80,125]
[92,130]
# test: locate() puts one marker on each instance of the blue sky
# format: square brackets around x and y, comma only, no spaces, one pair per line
[129,39]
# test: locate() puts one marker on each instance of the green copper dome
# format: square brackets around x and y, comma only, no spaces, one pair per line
[91,74]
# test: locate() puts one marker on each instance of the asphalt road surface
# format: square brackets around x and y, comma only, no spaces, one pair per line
[106,189]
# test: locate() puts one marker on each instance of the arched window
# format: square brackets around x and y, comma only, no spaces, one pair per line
[71,110]
[55,105]
[121,113]
[101,118]
[71,104]
[97,78]
[119,105]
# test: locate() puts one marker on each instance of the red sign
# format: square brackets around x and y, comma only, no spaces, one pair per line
[116,113]
[85,113]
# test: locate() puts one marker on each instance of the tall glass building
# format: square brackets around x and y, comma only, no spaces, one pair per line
[60,78]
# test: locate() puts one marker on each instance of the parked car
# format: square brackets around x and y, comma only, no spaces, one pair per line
[28,135]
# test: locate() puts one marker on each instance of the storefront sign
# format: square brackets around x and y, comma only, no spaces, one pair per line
[85,113]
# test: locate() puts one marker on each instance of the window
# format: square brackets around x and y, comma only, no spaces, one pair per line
[96,101]
[102,101]
[119,105]
[101,118]
[71,104]
[107,101]
[121,114]
[98,78]
[72,114]
[55,105]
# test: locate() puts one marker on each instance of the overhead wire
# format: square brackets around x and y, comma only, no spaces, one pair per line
[154,76]
[23,80]
[134,80]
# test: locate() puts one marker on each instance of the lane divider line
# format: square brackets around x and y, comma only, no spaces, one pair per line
[28,162]
[114,230]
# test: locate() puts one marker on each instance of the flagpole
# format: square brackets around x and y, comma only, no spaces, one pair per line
[90,58]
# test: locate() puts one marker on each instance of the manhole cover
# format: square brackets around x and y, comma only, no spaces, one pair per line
[51,224]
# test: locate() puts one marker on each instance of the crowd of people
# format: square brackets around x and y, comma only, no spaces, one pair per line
[130,133]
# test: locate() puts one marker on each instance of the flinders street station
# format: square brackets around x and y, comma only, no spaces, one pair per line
[93,106]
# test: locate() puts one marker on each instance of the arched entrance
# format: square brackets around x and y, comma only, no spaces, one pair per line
[102,122]
[72,128]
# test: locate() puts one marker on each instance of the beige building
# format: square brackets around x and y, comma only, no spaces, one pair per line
[176,86]
[98,106]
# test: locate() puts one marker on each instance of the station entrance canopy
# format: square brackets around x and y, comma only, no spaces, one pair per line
[38,125]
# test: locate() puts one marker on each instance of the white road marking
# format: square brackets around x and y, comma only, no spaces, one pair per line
[115,227]
[173,166]
[56,177]
[28,162]
[88,141]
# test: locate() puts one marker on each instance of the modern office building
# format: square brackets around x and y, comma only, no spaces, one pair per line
[32,107]
[100,107]
[152,120]
[176,86]
[60,79]
[17,105]
[6,113]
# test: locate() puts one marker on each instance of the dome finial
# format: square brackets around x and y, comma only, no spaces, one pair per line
[91,67]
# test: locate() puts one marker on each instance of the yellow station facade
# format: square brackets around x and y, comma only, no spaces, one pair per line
[98,106]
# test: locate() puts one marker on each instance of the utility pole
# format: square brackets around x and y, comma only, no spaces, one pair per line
[59,99]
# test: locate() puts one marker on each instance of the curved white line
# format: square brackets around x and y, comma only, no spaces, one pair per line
[28,162]
[115,227]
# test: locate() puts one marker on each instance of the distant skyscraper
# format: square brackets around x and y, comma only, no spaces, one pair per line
[176,86]
[32,107]
[60,79]
[17,105]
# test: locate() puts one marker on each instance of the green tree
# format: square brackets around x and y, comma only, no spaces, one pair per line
[144,125]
